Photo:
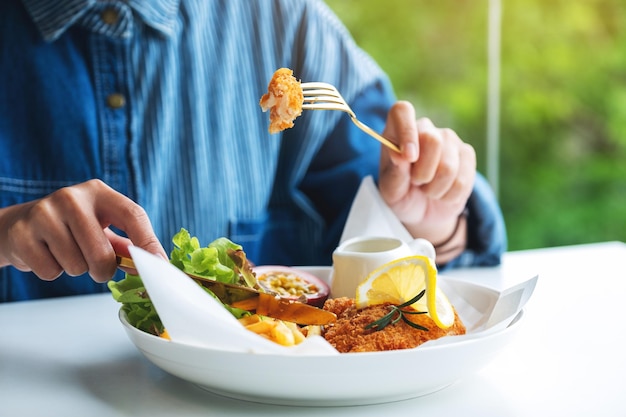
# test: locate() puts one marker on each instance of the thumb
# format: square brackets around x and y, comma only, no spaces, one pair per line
[120,245]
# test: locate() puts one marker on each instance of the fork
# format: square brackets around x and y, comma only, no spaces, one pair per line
[324,96]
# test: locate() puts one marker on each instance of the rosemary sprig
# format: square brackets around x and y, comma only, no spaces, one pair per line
[396,313]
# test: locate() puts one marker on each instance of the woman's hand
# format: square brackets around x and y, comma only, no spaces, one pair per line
[428,184]
[68,230]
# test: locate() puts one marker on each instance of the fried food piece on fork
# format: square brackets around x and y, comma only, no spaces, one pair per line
[283,99]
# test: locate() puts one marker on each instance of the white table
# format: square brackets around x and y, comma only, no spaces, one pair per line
[71,356]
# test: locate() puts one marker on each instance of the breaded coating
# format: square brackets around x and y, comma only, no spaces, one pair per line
[348,333]
[283,99]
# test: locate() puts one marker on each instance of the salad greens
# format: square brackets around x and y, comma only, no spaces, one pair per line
[222,260]
[136,304]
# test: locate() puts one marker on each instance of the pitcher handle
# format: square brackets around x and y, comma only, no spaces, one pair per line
[421,246]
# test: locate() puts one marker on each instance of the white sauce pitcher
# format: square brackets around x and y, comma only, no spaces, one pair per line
[355,258]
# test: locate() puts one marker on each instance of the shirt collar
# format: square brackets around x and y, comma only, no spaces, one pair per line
[54,17]
[158,14]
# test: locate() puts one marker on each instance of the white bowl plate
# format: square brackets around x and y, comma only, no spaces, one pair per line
[329,380]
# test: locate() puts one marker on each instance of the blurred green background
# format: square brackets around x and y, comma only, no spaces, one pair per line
[562,122]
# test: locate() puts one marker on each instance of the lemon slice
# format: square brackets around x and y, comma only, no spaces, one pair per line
[399,281]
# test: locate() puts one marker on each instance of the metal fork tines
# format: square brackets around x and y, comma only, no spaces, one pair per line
[324,96]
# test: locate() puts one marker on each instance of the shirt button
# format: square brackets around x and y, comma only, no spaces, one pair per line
[116,100]
[109,16]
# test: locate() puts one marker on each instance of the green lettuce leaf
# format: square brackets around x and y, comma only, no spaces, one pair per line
[136,303]
[210,262]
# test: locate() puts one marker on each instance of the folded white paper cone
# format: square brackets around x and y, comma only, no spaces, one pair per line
[371,216]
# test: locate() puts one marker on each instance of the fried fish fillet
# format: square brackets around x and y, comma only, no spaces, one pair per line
[283,99]
[349,333]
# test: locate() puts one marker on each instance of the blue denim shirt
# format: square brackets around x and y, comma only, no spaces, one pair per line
[160,99]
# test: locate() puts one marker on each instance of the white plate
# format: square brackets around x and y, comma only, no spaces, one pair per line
[330,380]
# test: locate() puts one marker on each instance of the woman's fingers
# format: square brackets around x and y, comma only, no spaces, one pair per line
[431,149]
[431,180]
[68,231]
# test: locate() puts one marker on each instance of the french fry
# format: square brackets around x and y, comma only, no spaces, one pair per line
[313,330]
[278,331]
[298,337]
[282,334]
[247,320]
[261,327]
